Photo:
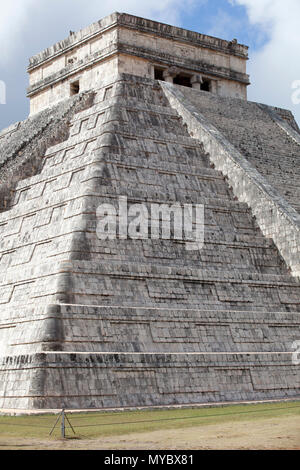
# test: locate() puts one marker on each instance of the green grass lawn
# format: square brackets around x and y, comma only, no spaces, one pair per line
[93,425]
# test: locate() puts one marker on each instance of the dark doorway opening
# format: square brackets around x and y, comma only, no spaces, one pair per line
[182,80]
[206,85]
[74,88]
[159,74]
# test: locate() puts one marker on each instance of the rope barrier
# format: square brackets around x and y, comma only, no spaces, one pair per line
[183,417]
[70,426]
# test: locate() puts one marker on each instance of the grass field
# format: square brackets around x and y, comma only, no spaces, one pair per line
[259,426]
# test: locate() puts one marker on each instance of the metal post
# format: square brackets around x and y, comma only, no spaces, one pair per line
[55,424]
[70,424]
[64,418]
[63,430]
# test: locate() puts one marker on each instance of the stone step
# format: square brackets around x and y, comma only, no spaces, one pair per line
[175,329]
[155,270]
[119,379]
[141,329]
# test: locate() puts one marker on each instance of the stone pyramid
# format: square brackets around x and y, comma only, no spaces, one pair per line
[92,323]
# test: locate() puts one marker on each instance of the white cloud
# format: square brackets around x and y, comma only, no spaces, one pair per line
[13,16]
[224,25]
[24,17]
[275,67]
[29,26]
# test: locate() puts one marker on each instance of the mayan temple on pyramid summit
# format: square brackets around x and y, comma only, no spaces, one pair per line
[136,109]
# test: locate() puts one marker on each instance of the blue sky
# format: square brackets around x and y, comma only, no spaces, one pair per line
[221,18]
[268,27]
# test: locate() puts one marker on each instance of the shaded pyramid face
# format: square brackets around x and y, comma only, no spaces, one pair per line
[91,322]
